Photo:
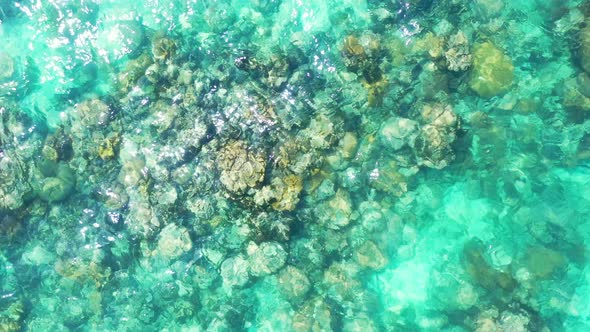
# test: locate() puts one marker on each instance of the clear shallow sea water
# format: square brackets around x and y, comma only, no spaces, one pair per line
[294,166]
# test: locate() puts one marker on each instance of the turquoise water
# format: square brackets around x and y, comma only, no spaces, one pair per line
[294,165]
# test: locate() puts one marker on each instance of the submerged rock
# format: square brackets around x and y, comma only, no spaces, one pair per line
[163,48]
[573,98]
[266,258]
[173,241]
[314,315]
[457,56]
[11,318]
[337,212]
[585,47]
[368,255]
[54,189]
[13,187]
[492,320]
[397,132]
[544,262]
[388,178]
[359,323]
[492,73]
[432,147]
[340,282]
[91,114]
[440,115]
[234,272]
[349,145]
[293,283]
[286,191]
[57,186]
[7,65]
[482,272]
[488,8]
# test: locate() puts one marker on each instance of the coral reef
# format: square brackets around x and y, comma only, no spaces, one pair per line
[240,168]
[295,166]
[492,73]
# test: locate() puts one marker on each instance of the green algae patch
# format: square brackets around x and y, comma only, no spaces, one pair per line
[492,72]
